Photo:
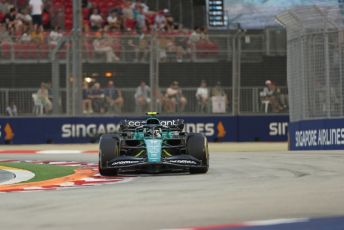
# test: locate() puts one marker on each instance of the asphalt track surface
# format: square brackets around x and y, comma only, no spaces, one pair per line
[5,176]
[240,186]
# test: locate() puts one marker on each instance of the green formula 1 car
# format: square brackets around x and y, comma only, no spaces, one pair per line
[151,146]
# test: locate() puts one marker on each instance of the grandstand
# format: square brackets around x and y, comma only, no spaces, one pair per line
[185,54]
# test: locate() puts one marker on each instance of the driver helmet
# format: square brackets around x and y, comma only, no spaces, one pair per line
[157,132]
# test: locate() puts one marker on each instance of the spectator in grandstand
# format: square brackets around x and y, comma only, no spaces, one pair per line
[46,20]
[43,96]
[140,18]
[96,20]
[25,17]
[160,20]
[114,99]
[97,97]
[85,4]
[140,4]
[195,37]
[36,7]
[143,48]
[4,6]
[113,21]
[170,25]
[4,35]
[26,36]
[202,96]
[174,98]
[10,20]
[55,36]
[272,94]
[11,110]
[102,45]
[203,35]
[86,100]
[127,11]
[37,35]
[142,97]
[219,91]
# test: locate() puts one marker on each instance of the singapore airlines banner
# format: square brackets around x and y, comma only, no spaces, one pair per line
[88,129]
[317,134]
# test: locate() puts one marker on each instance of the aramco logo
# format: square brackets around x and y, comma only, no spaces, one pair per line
[6,133]
[221,131]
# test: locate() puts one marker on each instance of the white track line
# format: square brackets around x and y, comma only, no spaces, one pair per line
[20,175]
[275,222]
[59,152]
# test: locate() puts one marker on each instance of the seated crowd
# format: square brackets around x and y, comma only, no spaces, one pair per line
[39,23]
[109,99]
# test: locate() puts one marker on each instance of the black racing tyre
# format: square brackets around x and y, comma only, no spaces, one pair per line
[197,146]
[108,150]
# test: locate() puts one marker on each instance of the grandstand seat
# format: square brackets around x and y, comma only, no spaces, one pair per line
[86,13]
[2,16]
[68,24]
[130,24]
[44,51]
[88,47]
[6,50]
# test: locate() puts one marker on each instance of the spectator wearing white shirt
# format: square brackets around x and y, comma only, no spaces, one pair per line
[55,35]
[112,20]
[36,7]
[96,20]
[202,96]
[26,17]
[139,3]
[160,20]
[142,97]
[26,36]
[174,98]
[102,45]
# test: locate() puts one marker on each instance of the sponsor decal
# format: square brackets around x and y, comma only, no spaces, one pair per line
[125,162]
[278,128]
[205,128]
[87,130]
[221,131]
[94,130]
[164,123]
[319,137]
[6,132]
[183,162]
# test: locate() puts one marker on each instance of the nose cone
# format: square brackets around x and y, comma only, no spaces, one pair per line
[153,147]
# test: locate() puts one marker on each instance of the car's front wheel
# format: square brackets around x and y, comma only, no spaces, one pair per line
[108,150]
[197,146]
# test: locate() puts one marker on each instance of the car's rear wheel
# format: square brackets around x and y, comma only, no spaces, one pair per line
[108,150]
[197,146]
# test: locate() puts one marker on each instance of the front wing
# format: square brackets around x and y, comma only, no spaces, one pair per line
[184,161]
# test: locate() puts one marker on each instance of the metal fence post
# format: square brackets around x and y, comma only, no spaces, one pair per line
[55,67]
[76,58]
[236,65]
[154,70]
